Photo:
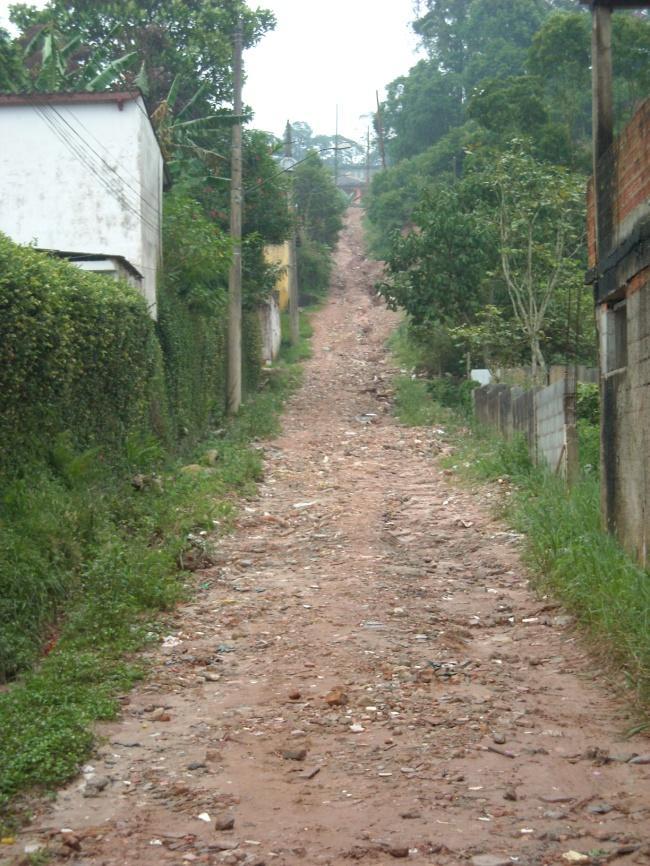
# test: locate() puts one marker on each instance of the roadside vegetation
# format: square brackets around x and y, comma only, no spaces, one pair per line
[480,216]
[569,555]
[120,468]
[105,549]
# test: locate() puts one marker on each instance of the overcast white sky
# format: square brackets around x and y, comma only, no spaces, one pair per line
[323,54]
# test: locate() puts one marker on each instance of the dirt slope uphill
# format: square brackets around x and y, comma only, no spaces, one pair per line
[366,674]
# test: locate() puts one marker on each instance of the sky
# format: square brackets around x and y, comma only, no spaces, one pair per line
[322,54]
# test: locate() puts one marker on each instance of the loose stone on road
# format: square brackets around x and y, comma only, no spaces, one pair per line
[367,674]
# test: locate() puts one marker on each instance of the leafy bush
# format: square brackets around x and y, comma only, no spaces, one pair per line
[77,353]
[588,403]
[453,393]
[192,317]
[314,270]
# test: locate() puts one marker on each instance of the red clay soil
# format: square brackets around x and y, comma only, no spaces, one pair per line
[367,675]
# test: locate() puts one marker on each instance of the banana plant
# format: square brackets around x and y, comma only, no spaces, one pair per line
[177,132]
[58,63]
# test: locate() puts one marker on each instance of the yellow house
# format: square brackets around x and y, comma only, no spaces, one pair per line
[278,254]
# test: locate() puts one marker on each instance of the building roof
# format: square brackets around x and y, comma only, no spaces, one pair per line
[69,97]
[94,257]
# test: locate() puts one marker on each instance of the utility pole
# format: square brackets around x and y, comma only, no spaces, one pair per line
[336,150]
[294,312]
[236,205]
[602,123]
[380,130]
[368,159]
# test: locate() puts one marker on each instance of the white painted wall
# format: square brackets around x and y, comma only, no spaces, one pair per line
[269,315]
[84,178]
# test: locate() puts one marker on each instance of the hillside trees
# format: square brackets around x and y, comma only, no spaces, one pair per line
[511,165]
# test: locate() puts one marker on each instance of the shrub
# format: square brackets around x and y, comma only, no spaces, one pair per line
[77,353]
[314,270]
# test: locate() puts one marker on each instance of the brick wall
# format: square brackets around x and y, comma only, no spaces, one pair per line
[626,167]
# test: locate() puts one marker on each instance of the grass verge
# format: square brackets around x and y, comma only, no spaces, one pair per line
[91,555]
[568,553]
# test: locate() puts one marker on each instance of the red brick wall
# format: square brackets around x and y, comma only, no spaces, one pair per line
[629,163]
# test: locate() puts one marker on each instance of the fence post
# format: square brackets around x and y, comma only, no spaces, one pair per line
[571,427]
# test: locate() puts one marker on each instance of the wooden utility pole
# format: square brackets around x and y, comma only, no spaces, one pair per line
[602,124]
[236,205]
[294,312]
[380,131]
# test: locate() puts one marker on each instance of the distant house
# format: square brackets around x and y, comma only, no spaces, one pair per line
[81,176]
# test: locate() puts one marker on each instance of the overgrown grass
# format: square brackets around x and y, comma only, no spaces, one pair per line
[568,553]
[91,555]
[302,350]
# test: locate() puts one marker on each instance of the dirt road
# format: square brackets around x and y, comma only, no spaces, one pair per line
[365,674]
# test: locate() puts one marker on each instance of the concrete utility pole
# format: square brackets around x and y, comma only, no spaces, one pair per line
[336,149]
[294,312]
[380,131]
[368,159]
[236,205]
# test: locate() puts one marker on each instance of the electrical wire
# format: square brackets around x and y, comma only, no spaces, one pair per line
[110,168]
[291,168]
[83,156]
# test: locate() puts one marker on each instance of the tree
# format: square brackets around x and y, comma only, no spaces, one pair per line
[498,34]
[420,108]
[442,31]
[436,270]
[13,75]
[47,60]
[539,219]
[319,204]
[190,38]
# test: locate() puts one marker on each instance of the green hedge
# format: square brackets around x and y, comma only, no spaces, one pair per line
[77,353]
[80,355]
[93,391]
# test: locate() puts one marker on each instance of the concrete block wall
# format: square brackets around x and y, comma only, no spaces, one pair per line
[545,417]
[626,433]
[623,315]
[550,425]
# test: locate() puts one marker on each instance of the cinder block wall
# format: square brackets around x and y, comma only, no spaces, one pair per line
[626,433]
[550,425]
[539,414]
[625,391]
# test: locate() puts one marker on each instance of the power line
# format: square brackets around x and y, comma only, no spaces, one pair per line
[291,168]
[110,167]
[113,170]
[117,193]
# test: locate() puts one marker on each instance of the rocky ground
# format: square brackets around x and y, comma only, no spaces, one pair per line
[365,673]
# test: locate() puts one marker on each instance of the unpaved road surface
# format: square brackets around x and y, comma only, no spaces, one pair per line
[381,682]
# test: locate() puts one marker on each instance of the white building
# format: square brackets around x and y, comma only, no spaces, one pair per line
[81,174]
